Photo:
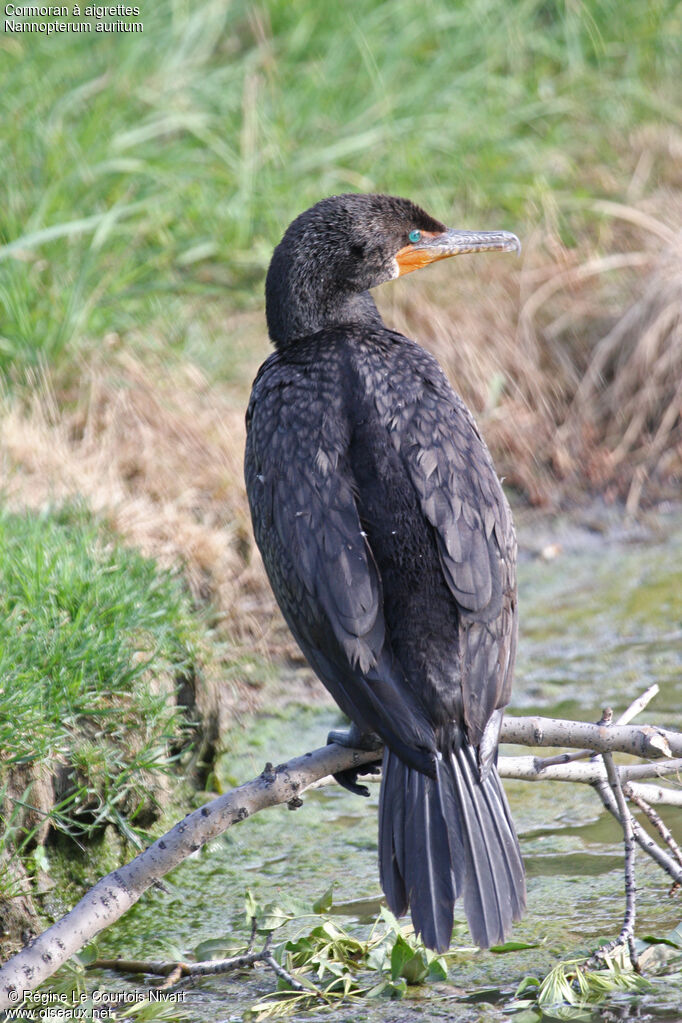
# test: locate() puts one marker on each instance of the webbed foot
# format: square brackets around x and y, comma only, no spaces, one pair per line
[354,738]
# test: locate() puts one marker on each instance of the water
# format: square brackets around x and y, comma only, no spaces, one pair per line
[599,625]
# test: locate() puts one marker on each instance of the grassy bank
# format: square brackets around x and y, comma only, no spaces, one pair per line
[100,654]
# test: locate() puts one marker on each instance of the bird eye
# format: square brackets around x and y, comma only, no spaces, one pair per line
[415,235]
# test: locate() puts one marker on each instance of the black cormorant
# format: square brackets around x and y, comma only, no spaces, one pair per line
[391,550]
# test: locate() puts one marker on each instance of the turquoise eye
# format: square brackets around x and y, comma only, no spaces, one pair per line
[414,236]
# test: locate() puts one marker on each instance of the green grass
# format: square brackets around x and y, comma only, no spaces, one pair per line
[146,178]
[87,631]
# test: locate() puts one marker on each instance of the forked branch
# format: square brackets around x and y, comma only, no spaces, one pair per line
[118,891]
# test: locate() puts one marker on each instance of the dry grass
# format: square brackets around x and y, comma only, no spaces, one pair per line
[573,364]
[158,452]
[630,395]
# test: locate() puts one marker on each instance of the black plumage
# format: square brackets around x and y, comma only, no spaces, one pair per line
[390,547]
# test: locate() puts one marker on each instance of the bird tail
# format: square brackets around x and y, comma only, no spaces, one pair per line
[447,836]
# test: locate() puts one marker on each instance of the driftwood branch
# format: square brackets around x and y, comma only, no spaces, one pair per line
[526,769]
[118,891]
[639,741]
[640,798]
[628,715]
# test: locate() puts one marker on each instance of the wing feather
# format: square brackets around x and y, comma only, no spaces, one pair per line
[316,554]
[461,497]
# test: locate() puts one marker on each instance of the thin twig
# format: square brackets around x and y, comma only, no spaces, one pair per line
[172,979]
[174,971]
[214,966]
[638,705]
[627,933]
[643,840]
[656,820]
[285,975]
[254,932]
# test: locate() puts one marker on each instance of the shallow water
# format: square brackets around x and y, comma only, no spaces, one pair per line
[599,625]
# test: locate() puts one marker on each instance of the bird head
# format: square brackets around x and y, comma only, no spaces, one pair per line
[335,252]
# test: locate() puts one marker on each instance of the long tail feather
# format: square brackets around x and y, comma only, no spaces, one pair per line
[442,837]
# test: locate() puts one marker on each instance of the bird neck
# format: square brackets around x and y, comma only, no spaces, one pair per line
[296,314]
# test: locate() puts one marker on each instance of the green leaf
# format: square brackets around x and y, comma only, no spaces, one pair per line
[250,906]
[530,984]
[324,903]
[41,860]
[401,953]
[301,951]
[513,946]
[408,963]
[390,920]
[341,985]
[271,917]
[571,1014]
[215,948]
[673,939]
[651,939]
[528,1016]
[327,930]
[377,957]
[438,969]
[365,910]
[88,954]
[395,989]
[416,970]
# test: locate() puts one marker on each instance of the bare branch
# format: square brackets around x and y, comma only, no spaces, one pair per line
[654,794]
[118,891]
[639,799]
[627,933]
[628,715]
[284,974]
[638,741]
[641,838]
[114,894]
[175,971]
[151,967]
[638,705]
[526,769]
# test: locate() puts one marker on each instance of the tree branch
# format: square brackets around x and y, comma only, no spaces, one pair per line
[628,715]
[174,971]
[637,740]
[526,769]
[638,797]
[627,932]
[641,838]
[118,891]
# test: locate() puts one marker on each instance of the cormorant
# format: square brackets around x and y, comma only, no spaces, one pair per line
[390,548]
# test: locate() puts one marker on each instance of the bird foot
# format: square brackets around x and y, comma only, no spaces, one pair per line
[353,738]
